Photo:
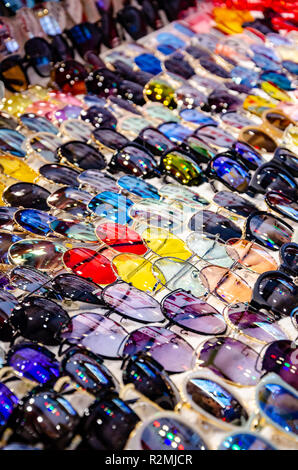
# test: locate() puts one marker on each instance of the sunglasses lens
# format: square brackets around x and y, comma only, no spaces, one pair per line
[110,430]
[272,178]
[133,160]
[250,255]
[82,155]
[170,350]
[59,174]
[155,141]
[162,92]
[176,193]
[138,187]
[280,406]
[90,265]
[34,221]
[214,225]
[7,303]
[71,200]
[29,280]
[136,271]
[72,287]
[121,238]
[27,195]
[250,156]
[98,182]
[112,206]
[231,173]
[290,258]
[191,313]
[215,400]
[196,117]
[97,333]
[177,274]
[12,142]
[69,111]
[175,131]
[278,120]
[230,359]
[40,320]
[268,230]
[256,325]
[34,364]
[54,428]
[13,74]
[6,218]
[38,254]
[277,292]
[6,240]
[225,284]
[214,135]
[200,149]
[178,65]
[280,358]
[278,79]
[222,101]
[74,230]
[190,97]
[209,250]
[211,66]
[39,53]
[186,437]
[282,204]
[109,138]
[37,123]
[88,372]
[44,146]
[148,378]
[7,403]
[182,168]
[99,117]
[161,113]
[70,77]
[132,303]
[245,441]
[148,63]
[76,129]
[258,139]
[234,203]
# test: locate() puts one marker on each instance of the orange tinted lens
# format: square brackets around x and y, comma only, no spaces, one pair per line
[230,287]
[278,120]
[15,78]
[251,256]
[258,139]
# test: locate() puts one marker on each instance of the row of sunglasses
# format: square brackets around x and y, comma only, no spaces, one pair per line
[150,256]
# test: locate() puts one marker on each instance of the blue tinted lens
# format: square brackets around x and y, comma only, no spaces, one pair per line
[37,123]
[279,79]
[170,39]
[7,402]
[231,172]
[291,66]
[243,441]
[34,221]
[184,30]
[148,63]
[175,132]
[113,206]
[265,63]
[166,49]
[244,76]
[34,365]
[138,187]
[195,116]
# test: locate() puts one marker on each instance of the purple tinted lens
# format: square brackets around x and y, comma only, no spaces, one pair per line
[109,138]
[34,364]
[257,325]
[234,203]
[192,313]
[132,303]
[76,289]
[230,359]
[167,348]
[7,304]
[213,67]
[97,333]
[281,357]
[99,117]
[222,101]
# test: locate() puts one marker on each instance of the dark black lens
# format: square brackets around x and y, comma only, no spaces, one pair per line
[289,258]
[82,155]
[153,140]
[132,91]
[59,174]
[134,159]
[40,320]
[149,378]
[221,101]
[99,117]
[178,65]
[103,82]
[27,195]
[287,159]
[212,224]
[77,289]
[211,66]
[271,177]
[234,203]
[108,423]
[39,54]
[250,157]
[7,303]
[109,138]
[276,292]
[88,371]
[268,230]
[45,417]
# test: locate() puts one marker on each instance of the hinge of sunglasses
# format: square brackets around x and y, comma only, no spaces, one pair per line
[256,422]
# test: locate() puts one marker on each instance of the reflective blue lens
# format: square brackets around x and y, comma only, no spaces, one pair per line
[112,206]
[231,172]
[148,63]
[138,187]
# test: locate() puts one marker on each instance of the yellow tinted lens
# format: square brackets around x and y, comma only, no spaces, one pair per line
[164,243]
[292,135]
[275,92]
[16,104]
[257,105]
[16,168]
[160,91]
[2,188]
[135,270]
